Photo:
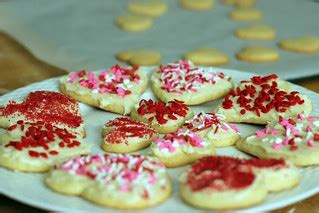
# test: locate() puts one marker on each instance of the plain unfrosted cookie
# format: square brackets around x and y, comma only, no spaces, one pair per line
[37,146]
[164,117]
[113,180]
[207,57]
[139,57]
[123,135]
[212,127]
[218,182]
[262,99]
[246,14]
[134,23]
[46,106]
[257,54]
[295,139]
[116,90]
[302,44]
[152,8]
[181,148]
[256,32]
[192,85]
[197,5]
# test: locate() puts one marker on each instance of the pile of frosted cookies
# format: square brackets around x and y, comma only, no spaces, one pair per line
[45,132]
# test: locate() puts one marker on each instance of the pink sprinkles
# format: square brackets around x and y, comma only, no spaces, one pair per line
[112,81]
[182,76]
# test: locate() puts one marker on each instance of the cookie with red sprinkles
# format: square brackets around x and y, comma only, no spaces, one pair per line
[123,135]
[116,89]
[211,127]
[192,85]
[164,117]
[53,108]
[37,146]
[119,181]
[225,183]
[295,139]
[181,148]
[262,99]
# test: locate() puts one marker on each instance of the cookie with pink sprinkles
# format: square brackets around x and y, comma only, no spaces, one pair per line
[192,85]
[212,127]
[181,148]
[295,139]
[116,89]
[113,180]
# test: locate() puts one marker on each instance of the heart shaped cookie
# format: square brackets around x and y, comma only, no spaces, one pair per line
[218,182]
[123,135]
[113,180]
[192,85]
[262,99]
[116,89]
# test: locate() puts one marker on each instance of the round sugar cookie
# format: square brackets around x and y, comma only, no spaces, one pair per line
[257,54]
[206,57]
[181,148]
[302,44]
[226,183]
[197,5]
[151,8]
[139,57]
[123,135]
[113,180]
[255,32]
[246,14]
[134,23]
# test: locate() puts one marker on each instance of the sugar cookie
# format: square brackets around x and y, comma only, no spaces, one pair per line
[255,32]
[192,85]
[218,182]
[212,127]
[262,99]
[257,54]
[197,5]
[113,180]
[181,148]
[295,139]
[147,8]
[37,146]
[134,23]
[50,107]
[302,44]
[246,14]
[164,117]
[139,57]
[116,90]
[207,57]
[123,135]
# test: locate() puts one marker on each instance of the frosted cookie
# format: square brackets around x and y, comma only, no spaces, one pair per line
[294,139]
[255,32]
[181,148]
[36,147]
[152,8]
[212,127]
[123,135]
[240,3]
[164,117]
[262,99]
[192,85]
[246,14]
[218,182]
[116,90]
[134,23]
[113,180]
[257,54]
[139,57]
[302,44]
[50,107]
[197,5]
[207,57]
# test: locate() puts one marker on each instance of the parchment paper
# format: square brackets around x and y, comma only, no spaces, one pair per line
[84,31]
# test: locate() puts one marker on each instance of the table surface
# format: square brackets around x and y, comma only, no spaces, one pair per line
[19,67]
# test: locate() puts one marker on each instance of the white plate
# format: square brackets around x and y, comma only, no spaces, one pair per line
[30,189]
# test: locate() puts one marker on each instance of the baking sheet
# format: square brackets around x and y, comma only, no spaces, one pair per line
[84,30]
